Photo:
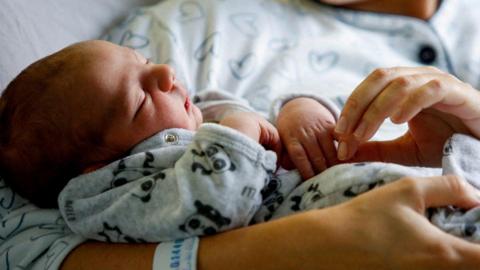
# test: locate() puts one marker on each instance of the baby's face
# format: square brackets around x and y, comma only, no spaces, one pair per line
[135,97]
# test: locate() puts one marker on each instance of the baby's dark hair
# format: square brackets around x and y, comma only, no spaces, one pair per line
[40,146]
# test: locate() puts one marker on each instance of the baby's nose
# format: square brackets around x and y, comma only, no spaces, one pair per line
[165,77]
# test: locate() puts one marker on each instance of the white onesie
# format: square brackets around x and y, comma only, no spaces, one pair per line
[179,183]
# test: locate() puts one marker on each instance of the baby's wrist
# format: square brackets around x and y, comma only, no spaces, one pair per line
[309,102]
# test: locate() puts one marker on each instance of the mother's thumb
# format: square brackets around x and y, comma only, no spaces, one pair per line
[446,190]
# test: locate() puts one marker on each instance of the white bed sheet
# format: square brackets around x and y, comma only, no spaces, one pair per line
[31,29]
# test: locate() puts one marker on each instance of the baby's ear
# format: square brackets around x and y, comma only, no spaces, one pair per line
[93,167]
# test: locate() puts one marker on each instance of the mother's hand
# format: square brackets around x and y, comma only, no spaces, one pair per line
[390,228]
[434,103]
[385,228]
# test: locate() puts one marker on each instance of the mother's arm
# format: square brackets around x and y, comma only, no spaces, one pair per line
[382,229]
[419,9]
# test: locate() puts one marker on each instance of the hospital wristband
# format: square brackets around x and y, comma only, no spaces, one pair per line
[176,255]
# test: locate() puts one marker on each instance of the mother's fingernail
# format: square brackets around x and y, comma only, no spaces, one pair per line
[397,117]
[342,151]
[341,125]
[361,130]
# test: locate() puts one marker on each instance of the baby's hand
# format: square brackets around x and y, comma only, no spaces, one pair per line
[256,127]
[306,129]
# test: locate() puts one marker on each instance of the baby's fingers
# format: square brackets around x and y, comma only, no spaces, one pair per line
[326,140]
[316,159]
[300,159]
[321,150]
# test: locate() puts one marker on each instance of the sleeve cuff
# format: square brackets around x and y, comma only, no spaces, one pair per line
[215,105]
[282,100]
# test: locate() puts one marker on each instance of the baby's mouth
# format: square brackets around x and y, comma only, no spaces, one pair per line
[187,104]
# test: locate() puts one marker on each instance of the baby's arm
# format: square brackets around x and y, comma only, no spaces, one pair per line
[213,185]
[255,127]
[228,110]
[305,124]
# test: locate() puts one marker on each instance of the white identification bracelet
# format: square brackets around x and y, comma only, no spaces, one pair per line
[176,255]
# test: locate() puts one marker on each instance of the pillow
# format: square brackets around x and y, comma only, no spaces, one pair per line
[30,30]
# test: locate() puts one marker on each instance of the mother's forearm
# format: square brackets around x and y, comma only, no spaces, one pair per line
[295,242]
[105,256]
[423,9]
[310,240]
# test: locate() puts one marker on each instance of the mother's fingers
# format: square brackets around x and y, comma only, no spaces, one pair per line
[299,157]
[441,89]
[368,90]
[388,102]
[440,191]
[462,101]
[470,253]
[400,207]
[453,190]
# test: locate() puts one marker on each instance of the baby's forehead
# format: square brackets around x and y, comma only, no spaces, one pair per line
[98,73]
[89,55]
